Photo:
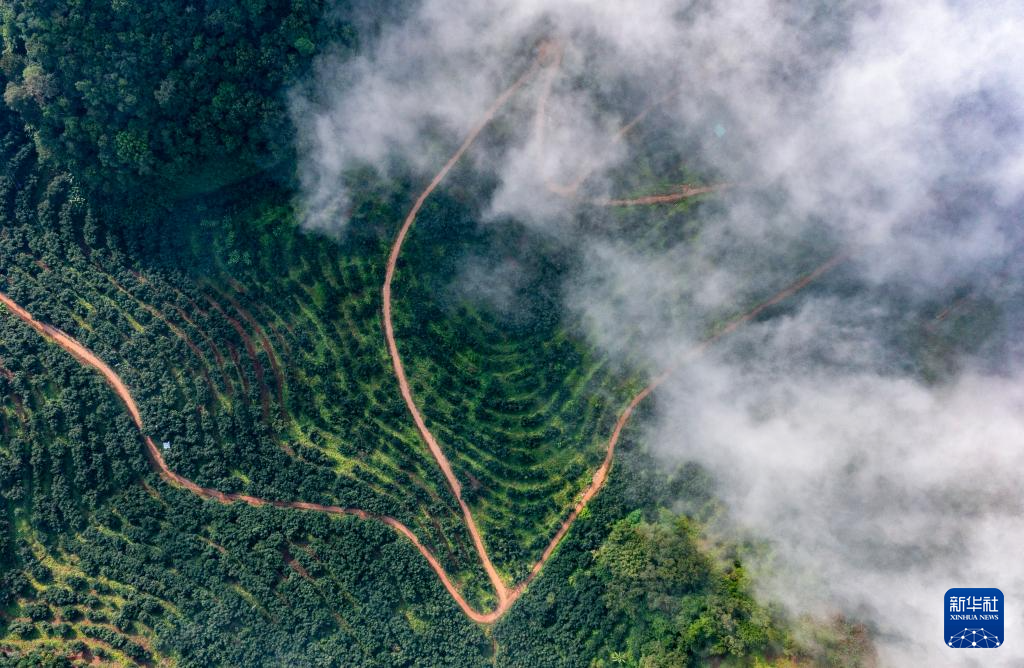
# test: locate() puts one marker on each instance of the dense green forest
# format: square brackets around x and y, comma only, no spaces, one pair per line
[125,94]
[142,212]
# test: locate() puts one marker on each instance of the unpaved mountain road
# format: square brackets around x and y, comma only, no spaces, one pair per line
[550,55]
[389,334]
[506,595]
[88,358]
[549,59]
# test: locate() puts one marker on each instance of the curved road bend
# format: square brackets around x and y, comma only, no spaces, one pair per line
[551,53]
[88,358]
[506,595]
[389,333]
[549,57]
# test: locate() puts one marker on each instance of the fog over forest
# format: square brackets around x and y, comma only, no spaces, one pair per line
[871,431]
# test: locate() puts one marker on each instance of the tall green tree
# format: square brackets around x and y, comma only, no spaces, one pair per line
[123,93]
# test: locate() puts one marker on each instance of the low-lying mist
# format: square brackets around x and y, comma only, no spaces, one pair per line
[872,429]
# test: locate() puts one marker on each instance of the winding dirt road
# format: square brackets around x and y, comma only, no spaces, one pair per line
[550,55]
[547,57]
[88,358]
[389,333]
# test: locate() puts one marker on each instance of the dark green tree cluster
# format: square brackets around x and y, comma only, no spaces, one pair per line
[207,375]
[257,352]
[680,606]
[118,90]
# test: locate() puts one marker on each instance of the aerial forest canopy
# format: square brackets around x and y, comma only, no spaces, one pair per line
[441,334]
[180,94]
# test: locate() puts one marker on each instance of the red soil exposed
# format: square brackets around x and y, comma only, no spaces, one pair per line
[275,365]
[389,333]
[549,55]
[88,358]
[250,350]
[679,194]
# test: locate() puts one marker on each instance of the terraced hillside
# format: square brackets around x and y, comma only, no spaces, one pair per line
[523,409]
[255,355]
[262,365]
[104,561]
[500,334]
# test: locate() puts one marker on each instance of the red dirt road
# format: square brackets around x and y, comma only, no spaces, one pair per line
[88,358]
[550,54]
[547,57]
[678,195]
[389,333]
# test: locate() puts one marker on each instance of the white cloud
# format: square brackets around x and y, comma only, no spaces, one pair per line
[893,128]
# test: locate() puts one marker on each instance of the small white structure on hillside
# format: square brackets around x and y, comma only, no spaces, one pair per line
[167,445]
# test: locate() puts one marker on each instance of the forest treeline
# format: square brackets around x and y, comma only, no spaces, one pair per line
[101,558]
[125,93]
[255,351]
